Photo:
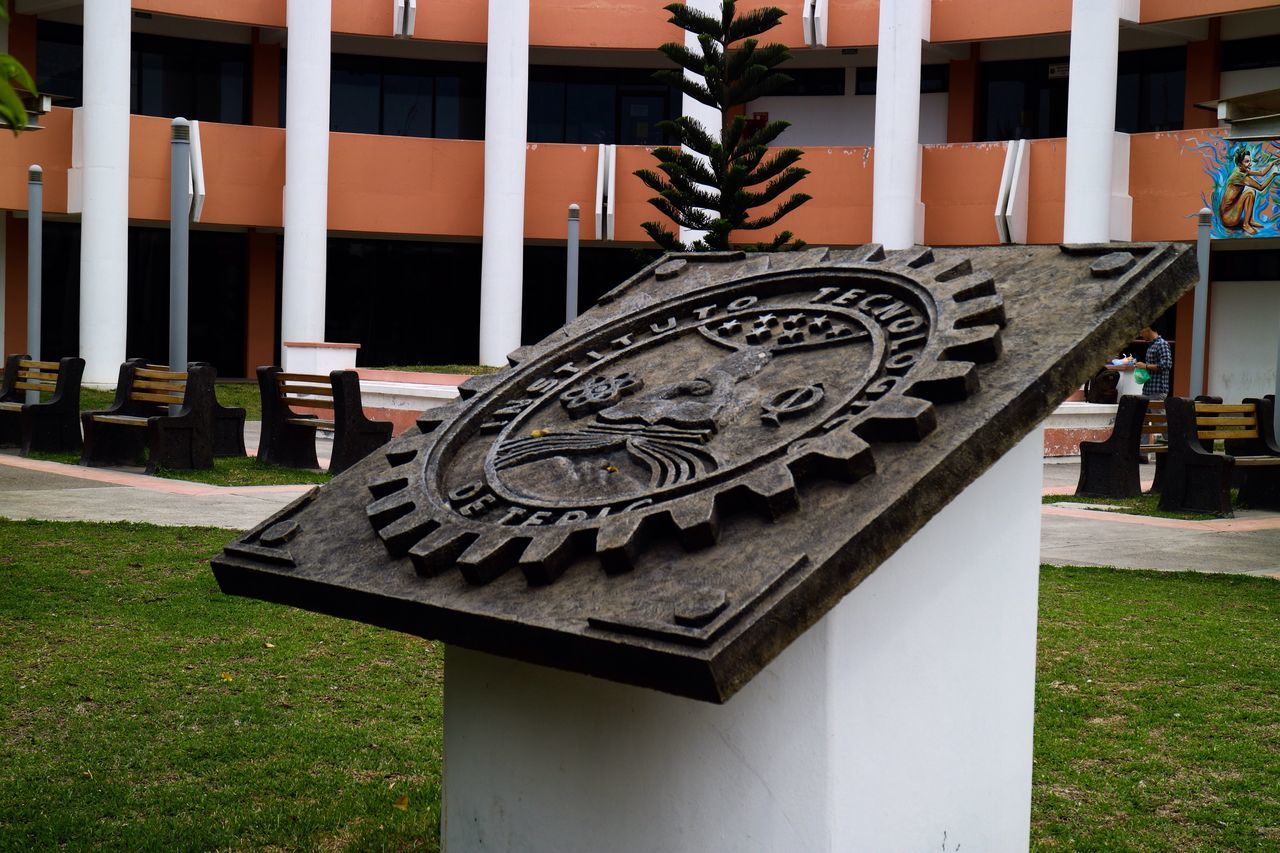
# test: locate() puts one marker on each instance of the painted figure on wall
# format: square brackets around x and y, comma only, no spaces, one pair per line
[1246,195]
[1240,195]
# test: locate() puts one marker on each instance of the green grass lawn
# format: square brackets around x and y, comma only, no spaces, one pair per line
[1148,504]
[141,708]
[144,709]
[1157,712]
[465,369]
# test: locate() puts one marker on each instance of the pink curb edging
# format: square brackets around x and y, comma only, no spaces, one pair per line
[142,481]
[1219,525]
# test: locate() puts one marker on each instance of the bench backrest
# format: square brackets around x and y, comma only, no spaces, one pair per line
[305,390]
[1216,421]
[37,376]
[158,384]
[1155,422]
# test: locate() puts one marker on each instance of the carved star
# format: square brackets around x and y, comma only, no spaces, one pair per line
[795,321]
[729,328]
[820,325]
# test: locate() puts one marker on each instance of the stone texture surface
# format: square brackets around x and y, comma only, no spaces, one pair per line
[670,489]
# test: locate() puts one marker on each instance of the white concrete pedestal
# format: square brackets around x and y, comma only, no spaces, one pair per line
[901,721]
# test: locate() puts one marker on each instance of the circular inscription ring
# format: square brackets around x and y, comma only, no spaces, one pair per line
[669,416]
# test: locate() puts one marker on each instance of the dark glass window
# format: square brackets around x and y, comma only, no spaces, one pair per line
[599,271]
[59,291]
[813,81]
[60,61]
[599,105]
[404,301]
[1243,54]
[202,80]
[1023,99]
[933,78]
[217,281]
[1149,90]
[403,97]
[1245,266]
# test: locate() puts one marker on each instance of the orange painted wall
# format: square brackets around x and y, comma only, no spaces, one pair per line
[51,149]
[959,186]
[261,13]
[853,23]
[1046,190]
[243,173]
[15,276]
[1166,180]
[264,102]
[1168,10]
[962,98]
[639,24]
[965,20]
[405,185]
[555,177]
[633,196]
[149,168]
[260,303]
[840,211]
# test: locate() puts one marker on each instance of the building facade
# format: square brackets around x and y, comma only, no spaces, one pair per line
[396,173]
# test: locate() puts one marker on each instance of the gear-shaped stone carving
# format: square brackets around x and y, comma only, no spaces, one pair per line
[512,476]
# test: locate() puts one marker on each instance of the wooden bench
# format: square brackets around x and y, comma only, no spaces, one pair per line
[166,415]
[289,436]
[228,424]
[52,426]
[1198,478]
[1109,468]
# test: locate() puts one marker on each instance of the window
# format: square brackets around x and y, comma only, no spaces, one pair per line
[599,271]
[216,295]
[403,97]
[1023,99]
[201,80]
[1243,54]
[599,105]
[1150,89]
[814,81]
[404,301]
[933,79]
[60,62]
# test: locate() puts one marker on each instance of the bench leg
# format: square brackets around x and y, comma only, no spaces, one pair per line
[1107,474]
[1260,488]
[112,444]
[51,432]
[293,446]
[10,429]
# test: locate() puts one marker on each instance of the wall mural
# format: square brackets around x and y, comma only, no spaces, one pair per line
[1246,194]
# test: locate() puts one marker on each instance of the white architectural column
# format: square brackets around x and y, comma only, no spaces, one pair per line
[306,172]
[1091,120]
[902,720]
[709,117]
[104,220]
[506,92]
[895,204]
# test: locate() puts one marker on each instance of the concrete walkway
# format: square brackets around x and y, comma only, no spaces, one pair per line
[1247,544]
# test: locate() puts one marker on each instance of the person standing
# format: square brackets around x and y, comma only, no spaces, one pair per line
[1158,363]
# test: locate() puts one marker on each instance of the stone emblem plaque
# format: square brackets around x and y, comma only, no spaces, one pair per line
[671,488]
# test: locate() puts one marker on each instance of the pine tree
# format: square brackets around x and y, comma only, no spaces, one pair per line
[716,195]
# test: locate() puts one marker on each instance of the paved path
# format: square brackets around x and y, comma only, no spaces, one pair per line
[1249,543]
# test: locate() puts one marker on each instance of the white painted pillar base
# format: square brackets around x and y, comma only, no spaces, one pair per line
[897,216]
[901,721]
[1091,121]
[506,91]
[104,221]
[306,163]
